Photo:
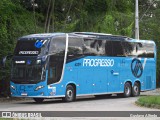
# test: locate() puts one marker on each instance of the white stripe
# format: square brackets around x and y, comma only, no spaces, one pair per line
[144,63]
[65,57]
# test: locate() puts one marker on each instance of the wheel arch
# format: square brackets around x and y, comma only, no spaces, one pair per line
[129,81]
[73,85]
[137,81]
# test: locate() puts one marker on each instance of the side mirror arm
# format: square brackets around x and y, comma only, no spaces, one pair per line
[4,59]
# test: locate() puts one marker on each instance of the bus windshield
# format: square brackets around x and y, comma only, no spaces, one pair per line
[27,73]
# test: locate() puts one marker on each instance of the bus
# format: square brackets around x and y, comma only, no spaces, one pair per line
[67,65]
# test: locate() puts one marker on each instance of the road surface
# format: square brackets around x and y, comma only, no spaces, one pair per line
[89,103]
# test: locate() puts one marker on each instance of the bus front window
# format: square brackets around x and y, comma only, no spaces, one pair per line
[34,72]
[27,74]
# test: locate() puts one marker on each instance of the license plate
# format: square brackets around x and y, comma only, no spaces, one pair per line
[24,94]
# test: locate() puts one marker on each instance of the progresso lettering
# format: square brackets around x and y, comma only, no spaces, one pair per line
[28,52]
[98,62]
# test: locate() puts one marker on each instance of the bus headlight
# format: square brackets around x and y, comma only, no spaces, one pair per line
[38,62]
[13,87]
[39,87]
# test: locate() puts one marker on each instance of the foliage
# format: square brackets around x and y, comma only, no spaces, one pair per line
[15,21]
[149,26]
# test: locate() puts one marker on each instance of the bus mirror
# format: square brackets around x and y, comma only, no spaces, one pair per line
[3,61]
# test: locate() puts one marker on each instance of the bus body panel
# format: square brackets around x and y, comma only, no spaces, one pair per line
[94,75]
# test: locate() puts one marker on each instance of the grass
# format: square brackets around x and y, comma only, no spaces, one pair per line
[149,101]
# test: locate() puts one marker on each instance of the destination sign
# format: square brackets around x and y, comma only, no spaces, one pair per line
[20,62]
[28,52]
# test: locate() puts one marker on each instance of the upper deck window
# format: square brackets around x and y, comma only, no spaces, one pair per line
[75,46]
[31,47]
[57,46]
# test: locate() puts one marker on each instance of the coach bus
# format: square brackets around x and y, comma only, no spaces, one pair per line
[67,65]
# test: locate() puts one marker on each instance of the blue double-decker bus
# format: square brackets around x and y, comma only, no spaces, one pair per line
[67,65]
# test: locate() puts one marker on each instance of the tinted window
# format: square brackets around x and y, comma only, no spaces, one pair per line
[138,49]
[114,48]
[75,46]
[26,48]
[145,50]
[31,48]
[108,48]
[27,73]
[129,48]
[94,47]
[55,68]
[57,46]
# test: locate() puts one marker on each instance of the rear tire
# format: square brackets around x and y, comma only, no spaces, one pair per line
[38,100]
[127,90]
[70,94]
[136,89]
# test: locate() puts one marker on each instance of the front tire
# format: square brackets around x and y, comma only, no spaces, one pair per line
[127,90]
[136,89]
[38,100]
[70,94]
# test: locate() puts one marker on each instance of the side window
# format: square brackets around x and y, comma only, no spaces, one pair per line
[129,48]
[55,69]
[75,46]
[108,48]
[150,50]
[57,45]
[138,49]
[52,71]
[117,48]
[94,47]
[145,50]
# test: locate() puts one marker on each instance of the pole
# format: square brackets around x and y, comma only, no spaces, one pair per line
[35,24]
[136,21]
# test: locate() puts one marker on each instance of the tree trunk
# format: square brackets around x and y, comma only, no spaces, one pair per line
[46,21]
[50,15]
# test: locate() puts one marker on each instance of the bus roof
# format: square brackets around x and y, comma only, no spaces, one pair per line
[102,36]
[86,35]
[41,35]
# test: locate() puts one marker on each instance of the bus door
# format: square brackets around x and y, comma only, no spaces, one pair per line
[84,81]
[113,78]
[99,80]
[114,49]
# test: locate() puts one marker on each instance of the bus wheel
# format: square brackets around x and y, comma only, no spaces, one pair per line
[127,89]
[70,94]
[136,89]
[38,100]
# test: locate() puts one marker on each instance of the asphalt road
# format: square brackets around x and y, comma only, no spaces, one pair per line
[89,103]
